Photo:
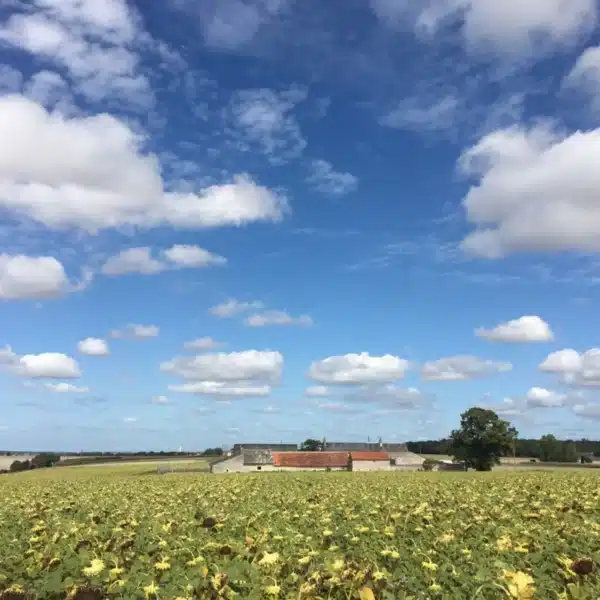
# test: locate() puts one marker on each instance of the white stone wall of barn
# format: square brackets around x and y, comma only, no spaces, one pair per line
[236,465]
[371,465]
[231,465]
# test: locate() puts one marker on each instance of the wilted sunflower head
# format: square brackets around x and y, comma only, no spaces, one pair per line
[583,566]
[209,522]
[82,545]
[85,593]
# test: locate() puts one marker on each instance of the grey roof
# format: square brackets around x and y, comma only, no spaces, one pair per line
[366,446]
[238,448]
[257,457]
[356,446]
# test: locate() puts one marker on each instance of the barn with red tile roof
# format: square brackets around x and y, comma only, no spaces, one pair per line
[369,456]
[311,461]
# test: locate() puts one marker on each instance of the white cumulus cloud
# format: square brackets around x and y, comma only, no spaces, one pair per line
[101,178]
[358,369]
[246,373]
[190,256]
[588,411]
[562,361]
[52,365]
[509,28]
[93,347]
[221,366]
[32,278]
[462,368]
[537,192]
[140,260]
[95,42]
[542,398]
[529,328]
[133,260]
[579,369]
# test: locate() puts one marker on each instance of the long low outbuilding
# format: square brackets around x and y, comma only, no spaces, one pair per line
[266,460]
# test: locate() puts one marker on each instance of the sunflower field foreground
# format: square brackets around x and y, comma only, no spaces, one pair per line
[307,535]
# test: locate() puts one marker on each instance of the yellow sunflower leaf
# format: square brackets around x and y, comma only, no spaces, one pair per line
[366,594]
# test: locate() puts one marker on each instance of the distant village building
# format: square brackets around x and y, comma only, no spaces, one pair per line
[351,446]
[312,461]
[335,456]
[238,448]
[406,461]
[257,457]
[370,461]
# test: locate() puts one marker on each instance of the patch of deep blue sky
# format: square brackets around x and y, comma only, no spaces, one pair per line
[378,268]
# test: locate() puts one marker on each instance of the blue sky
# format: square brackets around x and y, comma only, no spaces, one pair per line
[273,219]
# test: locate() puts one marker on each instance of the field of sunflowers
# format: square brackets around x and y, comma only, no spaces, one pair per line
[86,535]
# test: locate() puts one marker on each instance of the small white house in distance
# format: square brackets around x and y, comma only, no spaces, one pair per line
[406,461]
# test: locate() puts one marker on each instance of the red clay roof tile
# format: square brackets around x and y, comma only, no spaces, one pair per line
[310,460]
[370,456]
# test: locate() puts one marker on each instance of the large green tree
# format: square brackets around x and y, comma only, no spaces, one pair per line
[311,445]
[483,438]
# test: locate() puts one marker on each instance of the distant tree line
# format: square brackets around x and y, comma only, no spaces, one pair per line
[39,461]
[213,452]
[547,449]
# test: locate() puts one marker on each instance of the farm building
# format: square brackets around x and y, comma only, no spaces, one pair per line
[406,461]
[257,457]
[351,446]
[357,456]
[378,446]
[311,461]
[251,461]
[229,464]
[370,461]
